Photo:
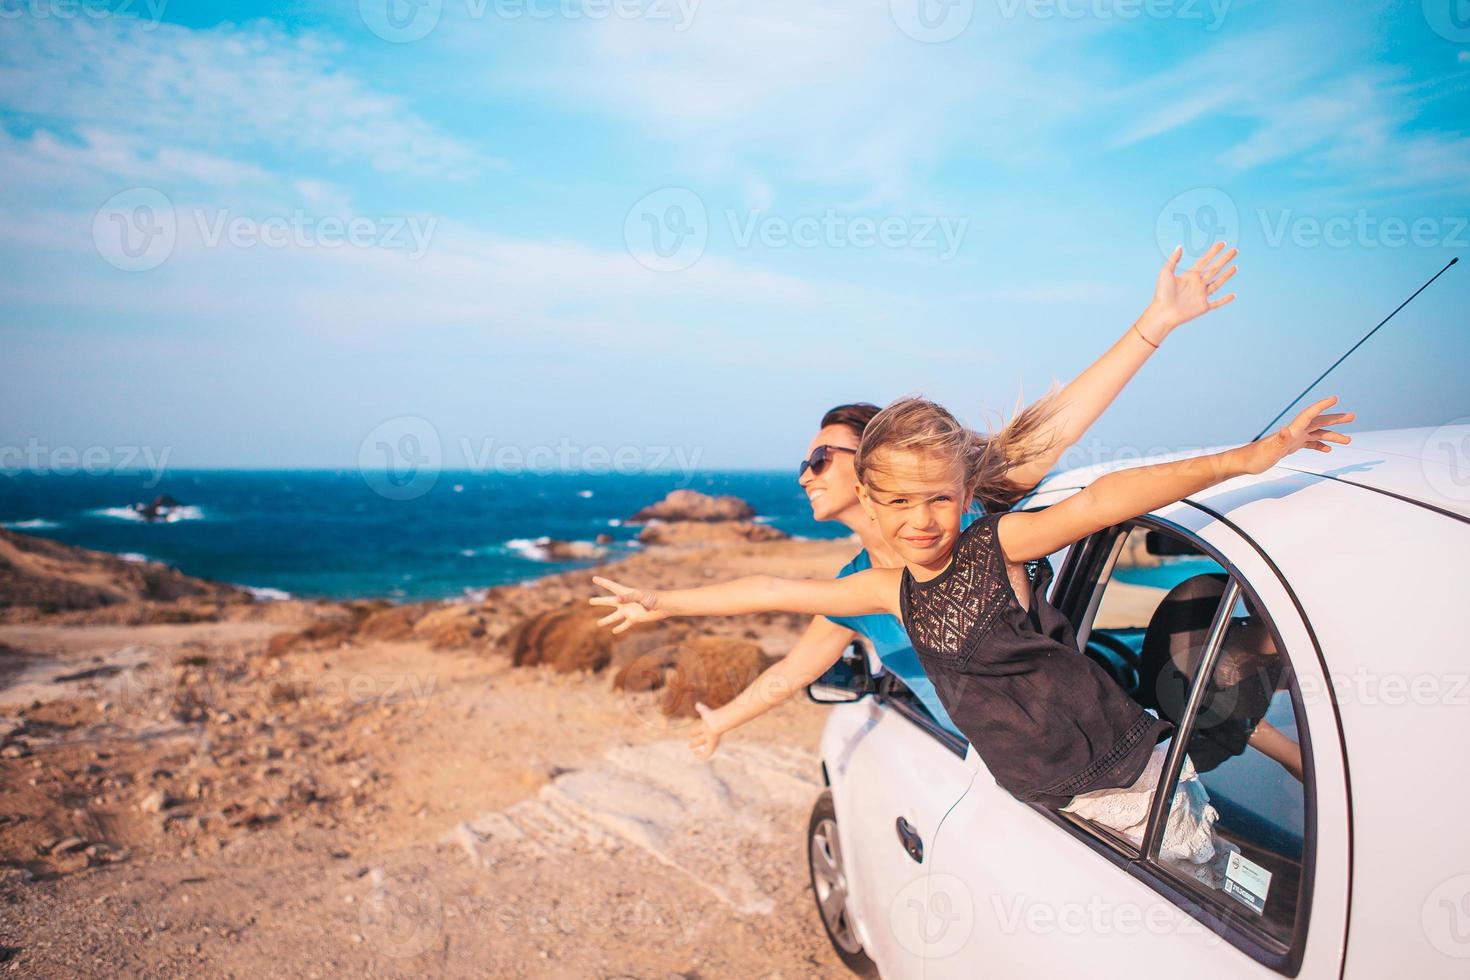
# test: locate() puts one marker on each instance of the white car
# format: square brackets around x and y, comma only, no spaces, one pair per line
[1329,604]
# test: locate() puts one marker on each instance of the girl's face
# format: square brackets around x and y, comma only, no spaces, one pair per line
[834,490]
[917,502]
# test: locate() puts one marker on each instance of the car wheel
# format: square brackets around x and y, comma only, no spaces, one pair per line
[829,887]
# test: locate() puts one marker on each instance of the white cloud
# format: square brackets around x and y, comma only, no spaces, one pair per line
[228,90]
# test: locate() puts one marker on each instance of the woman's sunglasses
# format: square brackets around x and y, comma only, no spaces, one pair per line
[820,457]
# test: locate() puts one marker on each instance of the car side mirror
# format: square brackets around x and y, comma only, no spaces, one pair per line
[849,679]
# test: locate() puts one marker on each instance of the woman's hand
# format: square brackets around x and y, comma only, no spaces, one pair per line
[1309,430]
[706,737]
[1179,299]
[630,605]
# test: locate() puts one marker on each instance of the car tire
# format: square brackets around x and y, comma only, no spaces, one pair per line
[829,887]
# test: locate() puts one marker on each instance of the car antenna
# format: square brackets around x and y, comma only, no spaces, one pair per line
[1272,423]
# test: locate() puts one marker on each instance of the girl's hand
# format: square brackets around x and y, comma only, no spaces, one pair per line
[706,737]
[631,605]
[1179,299]
[1309,430]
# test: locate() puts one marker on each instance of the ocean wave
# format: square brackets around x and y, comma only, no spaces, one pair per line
[266,593]
[527,548]
[614,522]
[134,556]
[33,524]
[184,512]
[584,493]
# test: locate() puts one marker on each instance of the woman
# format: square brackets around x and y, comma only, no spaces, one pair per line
[830,482]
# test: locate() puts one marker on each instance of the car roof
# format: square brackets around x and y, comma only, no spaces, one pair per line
[1425,466]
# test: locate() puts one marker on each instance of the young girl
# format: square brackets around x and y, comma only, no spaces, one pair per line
[1050,724]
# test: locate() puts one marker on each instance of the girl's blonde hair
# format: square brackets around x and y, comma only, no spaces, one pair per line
[920,426]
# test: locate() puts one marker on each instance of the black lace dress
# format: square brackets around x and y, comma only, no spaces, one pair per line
[1047,721]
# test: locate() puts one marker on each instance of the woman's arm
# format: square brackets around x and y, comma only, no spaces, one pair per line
[872,591]
[1128,493]
[1276,745]
[819,648]
[1177,300]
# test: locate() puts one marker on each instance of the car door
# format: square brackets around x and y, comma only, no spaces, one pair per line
[894,774]
[1035,891]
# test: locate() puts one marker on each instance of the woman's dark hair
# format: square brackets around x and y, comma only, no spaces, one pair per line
[855,416]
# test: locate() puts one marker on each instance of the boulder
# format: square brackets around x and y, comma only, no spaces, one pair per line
[390,623]
[708,669]
[453,627]
[573,551]
[691,505]
[567,639]
[716,532]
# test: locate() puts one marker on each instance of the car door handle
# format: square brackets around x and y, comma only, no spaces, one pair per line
[913,844]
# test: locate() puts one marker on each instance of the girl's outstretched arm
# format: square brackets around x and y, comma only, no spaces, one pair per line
[872,591]
[1128,493]
[1177,300]
[817,650]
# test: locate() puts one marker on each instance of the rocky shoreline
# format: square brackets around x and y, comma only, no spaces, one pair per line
[166,742]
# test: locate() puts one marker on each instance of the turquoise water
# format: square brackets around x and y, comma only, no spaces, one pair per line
[328,534]
[1168,574]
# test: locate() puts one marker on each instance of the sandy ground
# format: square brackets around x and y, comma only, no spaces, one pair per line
[173,802]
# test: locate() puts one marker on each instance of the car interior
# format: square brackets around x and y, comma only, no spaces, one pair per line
[1143,602]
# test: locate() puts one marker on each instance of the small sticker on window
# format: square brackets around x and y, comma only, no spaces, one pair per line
[1248,882]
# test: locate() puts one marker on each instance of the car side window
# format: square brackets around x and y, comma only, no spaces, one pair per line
[1150,581]
[1244,746]
[1184,637]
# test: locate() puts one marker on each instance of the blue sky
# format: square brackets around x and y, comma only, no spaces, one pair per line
[1028,162]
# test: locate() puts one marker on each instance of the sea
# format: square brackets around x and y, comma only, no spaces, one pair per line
[334,534]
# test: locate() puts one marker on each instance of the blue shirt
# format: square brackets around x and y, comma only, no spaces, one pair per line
[891,642]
